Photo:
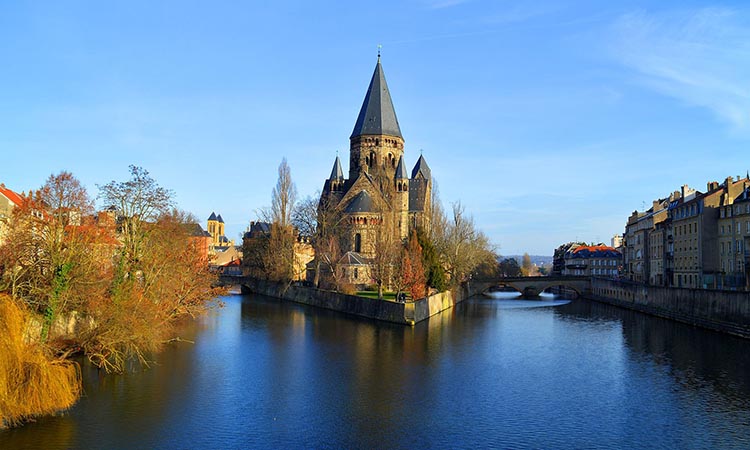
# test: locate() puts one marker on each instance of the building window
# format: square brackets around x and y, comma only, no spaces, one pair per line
[358,243]
[356,273]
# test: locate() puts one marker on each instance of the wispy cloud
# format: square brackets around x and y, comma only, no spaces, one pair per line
[520,12]
[440,4]
[701,57]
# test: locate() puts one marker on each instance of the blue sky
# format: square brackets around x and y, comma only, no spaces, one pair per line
[550,121]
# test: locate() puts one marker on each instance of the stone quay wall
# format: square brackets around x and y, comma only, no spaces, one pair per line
[726,311]
[389,311]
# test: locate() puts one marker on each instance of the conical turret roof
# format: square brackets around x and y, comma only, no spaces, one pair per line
[337,173]
[377,115]
[219,219]
[401,172]
[212,216]
[362,203]
[422,168]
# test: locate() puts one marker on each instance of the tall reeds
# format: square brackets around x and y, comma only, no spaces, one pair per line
[32,381]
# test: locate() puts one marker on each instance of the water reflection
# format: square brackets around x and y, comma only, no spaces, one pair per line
[694,356]
[496,372]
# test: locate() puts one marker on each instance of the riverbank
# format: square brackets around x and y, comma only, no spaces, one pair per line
[388,311]
[725,311]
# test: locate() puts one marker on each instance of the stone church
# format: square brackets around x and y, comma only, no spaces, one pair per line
[379,193]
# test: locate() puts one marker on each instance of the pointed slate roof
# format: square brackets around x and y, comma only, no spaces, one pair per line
[337,173]
[401,172]
[421,167]
[362,202]
[219,219]
[212,216]
[377,115]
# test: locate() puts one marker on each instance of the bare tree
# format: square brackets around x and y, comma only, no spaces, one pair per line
[527,268]
[272,256]
[283,197]
[137,201]
[462,247]
[438,219]
[48,260]
[387,253]
[327,228]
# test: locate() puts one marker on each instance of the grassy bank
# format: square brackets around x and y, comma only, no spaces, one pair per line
[374,295]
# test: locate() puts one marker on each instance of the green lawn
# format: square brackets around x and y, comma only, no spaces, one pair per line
[374,294]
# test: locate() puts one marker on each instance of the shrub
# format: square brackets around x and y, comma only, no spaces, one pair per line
[32,381]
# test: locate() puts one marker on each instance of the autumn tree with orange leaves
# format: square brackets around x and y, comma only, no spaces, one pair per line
[412,272]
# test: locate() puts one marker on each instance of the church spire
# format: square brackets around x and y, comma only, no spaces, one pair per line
[337,173]
[421,168]
[401,172]
[377,115]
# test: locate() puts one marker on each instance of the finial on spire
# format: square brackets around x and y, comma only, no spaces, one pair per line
[379,47]
[421,151]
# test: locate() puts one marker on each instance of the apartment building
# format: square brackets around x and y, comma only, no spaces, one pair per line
[695,232]
[734,242]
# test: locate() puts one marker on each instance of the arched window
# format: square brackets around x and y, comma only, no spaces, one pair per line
[357,242]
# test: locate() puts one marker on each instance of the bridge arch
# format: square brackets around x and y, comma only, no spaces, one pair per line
[533,286]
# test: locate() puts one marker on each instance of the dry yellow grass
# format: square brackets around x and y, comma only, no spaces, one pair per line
[32,381]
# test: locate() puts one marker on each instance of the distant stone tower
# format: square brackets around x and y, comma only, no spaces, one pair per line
[216,229]
[378,191]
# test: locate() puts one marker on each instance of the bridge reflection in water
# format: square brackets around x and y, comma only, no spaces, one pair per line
[532,287]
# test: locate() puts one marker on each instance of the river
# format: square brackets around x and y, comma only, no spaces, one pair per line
[500,372]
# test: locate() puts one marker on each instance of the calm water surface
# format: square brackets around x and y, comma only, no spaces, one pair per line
[490,373]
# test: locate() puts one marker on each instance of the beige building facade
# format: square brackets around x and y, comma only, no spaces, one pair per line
[592,260]
[692,239]
[734,242]
[695,224]
[9,200]
[638,251]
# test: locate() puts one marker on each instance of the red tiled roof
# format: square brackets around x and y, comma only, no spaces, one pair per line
[593,248]
[12,196]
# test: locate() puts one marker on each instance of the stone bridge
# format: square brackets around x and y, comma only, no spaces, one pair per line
[532,286]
